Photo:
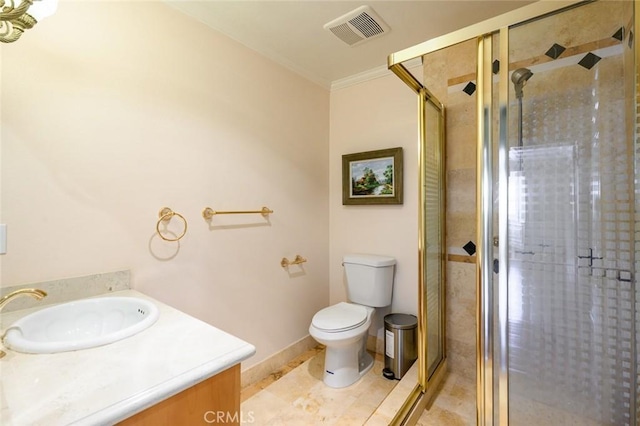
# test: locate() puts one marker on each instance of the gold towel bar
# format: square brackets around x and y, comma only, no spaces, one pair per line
[208,212]
[165,215]
[285,263]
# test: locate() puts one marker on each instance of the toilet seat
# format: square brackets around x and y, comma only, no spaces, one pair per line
[340,317]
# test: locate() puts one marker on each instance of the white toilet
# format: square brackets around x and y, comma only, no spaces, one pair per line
[343,327]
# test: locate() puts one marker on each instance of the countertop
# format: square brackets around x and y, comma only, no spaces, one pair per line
[109,383]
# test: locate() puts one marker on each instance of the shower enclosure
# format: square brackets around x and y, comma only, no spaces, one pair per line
[552,101]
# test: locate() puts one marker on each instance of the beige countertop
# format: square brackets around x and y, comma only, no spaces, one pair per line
[109,383]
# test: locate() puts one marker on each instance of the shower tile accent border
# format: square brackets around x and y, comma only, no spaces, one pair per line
[456,254]
[541,59]
[461,258]
[67,289]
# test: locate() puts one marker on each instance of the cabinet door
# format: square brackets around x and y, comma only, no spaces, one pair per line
[216,399]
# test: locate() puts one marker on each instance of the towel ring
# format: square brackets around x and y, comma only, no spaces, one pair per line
[165,216]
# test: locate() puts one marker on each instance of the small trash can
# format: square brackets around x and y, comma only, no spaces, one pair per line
[400,340]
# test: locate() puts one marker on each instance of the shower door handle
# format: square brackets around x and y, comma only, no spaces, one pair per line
[591,257]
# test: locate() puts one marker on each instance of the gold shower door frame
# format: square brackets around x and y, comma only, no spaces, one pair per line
[492,368]
[427,380]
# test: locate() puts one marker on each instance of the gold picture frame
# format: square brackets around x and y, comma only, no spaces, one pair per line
[372,177]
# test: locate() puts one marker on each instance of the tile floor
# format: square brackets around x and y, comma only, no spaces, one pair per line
[454,405]
[299,397]
[296,395]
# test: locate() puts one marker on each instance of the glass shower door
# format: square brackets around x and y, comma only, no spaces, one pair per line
[571,250]
[432,262]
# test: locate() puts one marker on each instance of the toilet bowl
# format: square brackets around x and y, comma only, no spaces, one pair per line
[343,328]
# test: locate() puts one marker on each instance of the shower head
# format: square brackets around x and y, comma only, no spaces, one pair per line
[519,79]
[521,75]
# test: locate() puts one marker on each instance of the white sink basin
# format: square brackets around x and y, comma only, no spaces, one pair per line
[81,324]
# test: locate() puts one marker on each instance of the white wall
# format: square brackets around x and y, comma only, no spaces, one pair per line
[377,114]
[112,110]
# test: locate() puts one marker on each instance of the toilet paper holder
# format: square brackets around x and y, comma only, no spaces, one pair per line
[285,263]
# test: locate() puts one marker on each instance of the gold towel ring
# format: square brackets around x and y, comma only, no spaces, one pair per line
[165,215]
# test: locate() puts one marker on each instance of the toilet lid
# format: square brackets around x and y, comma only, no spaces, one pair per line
[340,317]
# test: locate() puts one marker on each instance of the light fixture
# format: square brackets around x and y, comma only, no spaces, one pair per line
[16,16]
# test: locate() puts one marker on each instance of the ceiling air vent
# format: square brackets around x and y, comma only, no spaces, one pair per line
[358,26]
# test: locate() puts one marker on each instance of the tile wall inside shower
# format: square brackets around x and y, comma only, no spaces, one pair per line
[572,315]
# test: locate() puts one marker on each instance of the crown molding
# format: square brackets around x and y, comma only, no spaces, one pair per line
[372,74]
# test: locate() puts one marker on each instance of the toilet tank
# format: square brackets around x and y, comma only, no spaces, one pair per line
[369,279]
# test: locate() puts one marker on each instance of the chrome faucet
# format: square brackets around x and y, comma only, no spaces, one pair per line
[33,292]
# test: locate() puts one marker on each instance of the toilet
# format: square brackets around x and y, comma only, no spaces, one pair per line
[343,328]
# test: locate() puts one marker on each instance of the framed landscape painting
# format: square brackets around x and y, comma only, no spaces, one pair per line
[373,177]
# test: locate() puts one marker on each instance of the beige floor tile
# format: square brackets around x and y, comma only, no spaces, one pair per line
[379,420]
[262,408]
[357,414]
[249,391]
[439,417]
[299,383]
[454,405]
[298,396]
[293,418]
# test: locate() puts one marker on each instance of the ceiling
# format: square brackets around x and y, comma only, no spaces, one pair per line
[291,32]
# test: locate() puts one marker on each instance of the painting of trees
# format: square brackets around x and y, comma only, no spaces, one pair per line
[373,177]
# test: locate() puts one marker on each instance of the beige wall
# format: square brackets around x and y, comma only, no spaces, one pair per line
[107,128]
[378,114]
[112,110]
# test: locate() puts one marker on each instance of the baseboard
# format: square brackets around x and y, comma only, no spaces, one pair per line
[259,371]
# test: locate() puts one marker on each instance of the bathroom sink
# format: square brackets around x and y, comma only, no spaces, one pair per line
[81,324]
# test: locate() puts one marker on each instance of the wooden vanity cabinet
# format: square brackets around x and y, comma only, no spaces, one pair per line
[212,401]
